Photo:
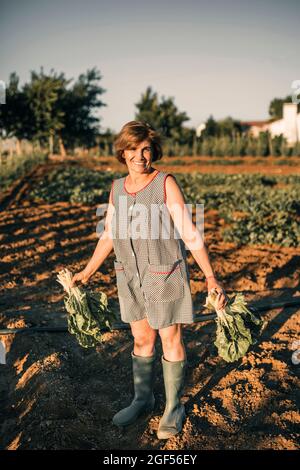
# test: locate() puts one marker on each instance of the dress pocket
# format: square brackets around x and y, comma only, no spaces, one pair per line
[122,280]
[164,282]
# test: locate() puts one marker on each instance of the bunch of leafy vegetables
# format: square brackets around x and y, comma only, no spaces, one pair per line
[88,311]
[237,326]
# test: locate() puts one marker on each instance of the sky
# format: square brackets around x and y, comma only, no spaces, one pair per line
[217,57]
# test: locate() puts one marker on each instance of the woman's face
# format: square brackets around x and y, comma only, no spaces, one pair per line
[139,159]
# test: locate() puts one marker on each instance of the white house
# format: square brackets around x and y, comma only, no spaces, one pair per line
[289,125]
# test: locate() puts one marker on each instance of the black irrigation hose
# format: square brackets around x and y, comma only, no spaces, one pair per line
[63,329]
[58,329]
[258,306]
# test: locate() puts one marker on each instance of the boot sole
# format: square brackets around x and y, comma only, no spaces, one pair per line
[144,412]
[167,434]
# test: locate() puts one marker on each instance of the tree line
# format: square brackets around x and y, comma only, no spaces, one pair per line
[53,111]
[61,114]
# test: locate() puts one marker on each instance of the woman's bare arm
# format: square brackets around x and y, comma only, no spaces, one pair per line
[190,234]
[103,248]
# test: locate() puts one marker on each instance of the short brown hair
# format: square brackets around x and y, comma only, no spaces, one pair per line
[135,132]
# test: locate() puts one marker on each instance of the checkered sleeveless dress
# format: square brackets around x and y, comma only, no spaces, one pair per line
[151,269]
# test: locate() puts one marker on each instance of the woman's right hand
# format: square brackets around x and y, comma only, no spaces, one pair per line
[82,276]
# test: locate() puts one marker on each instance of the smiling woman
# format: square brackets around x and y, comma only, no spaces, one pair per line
[138,136]
[152,273]
[145,150]
[138,145]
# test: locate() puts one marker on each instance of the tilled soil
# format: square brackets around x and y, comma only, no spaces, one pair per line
[57,395]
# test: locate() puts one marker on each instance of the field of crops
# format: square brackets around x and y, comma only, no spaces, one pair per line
[268,209]
[48,222]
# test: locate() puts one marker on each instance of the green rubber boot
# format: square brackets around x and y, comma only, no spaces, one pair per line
[174,413]
[143,401]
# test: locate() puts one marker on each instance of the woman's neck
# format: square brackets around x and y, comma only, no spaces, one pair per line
[137,179]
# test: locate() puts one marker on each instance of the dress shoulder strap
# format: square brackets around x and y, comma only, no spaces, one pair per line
[163,176]
[116,188]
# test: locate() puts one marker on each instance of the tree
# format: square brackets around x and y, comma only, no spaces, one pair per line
[48,110]
[225,127]
[211,128]
[15,116]
[81,125]
[276,107]
[163,115]
[229,127]
[263,144]
[44,94]
[105,141]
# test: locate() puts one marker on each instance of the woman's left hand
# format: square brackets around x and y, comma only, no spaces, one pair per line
[222,298]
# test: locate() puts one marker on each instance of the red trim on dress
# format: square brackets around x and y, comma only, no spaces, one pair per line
[158,171]
[164,272]
[112,192]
